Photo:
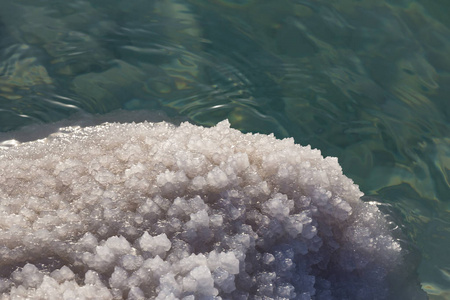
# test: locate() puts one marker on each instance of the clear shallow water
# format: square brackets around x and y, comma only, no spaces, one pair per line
[366,81]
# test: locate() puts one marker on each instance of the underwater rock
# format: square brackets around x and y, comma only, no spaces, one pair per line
[152,210]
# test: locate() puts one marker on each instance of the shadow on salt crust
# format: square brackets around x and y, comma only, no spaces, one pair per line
[151,210]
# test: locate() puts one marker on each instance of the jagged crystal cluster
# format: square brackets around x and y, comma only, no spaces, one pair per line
[156,211]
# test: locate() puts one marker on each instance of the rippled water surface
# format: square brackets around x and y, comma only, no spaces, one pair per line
[367,81]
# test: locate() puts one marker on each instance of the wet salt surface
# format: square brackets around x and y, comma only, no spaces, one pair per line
[152,210]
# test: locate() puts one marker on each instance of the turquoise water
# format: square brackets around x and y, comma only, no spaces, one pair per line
[365,81]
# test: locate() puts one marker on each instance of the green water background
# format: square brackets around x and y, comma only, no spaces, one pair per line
[366,81]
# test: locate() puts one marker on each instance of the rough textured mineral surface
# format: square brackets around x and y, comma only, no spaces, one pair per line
[155,211]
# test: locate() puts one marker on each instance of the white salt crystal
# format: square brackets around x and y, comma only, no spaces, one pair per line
[118,278]
[157,245]
[203,280]
[151,210]
[118,245]
[268,258]
[62,274]
[29,276]
[217,178]
[277,207]
[224,280]
[136,293]
[131,262]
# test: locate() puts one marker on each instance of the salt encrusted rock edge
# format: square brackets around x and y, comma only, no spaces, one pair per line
[158,211]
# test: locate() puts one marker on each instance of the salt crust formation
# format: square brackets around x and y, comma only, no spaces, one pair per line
[155,211]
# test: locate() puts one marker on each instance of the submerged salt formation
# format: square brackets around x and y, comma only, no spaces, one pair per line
[162,212]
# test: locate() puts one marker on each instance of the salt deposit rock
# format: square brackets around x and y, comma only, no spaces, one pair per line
[155,211]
